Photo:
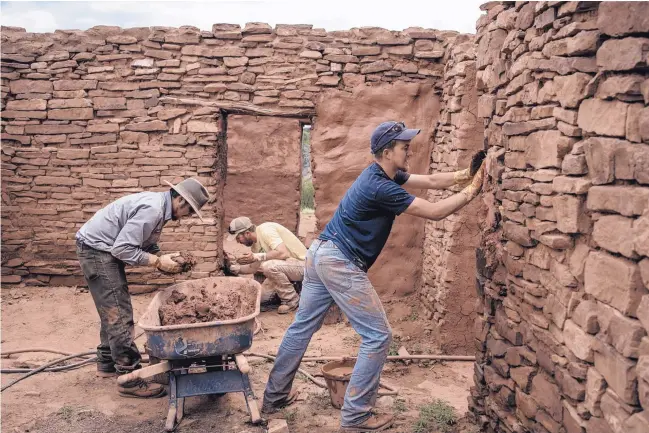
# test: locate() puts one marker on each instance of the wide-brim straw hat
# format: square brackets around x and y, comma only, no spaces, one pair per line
[193,192]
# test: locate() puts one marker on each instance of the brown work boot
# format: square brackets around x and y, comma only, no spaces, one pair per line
[140,389]
[268,408]
[289,306]
[374,423]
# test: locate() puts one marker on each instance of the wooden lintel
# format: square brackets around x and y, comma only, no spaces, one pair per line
[234,107]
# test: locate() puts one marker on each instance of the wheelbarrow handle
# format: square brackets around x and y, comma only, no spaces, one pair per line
[242,363]
[152,370]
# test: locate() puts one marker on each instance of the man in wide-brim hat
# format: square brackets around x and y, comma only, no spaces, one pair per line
[126,232]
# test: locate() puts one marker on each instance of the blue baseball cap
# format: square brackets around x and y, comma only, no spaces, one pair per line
[388,131]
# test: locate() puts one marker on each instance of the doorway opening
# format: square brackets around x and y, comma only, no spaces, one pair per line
[307,221]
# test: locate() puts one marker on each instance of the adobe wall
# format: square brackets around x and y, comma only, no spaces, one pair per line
[563,262]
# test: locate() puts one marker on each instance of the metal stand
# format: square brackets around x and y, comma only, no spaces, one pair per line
[213,375]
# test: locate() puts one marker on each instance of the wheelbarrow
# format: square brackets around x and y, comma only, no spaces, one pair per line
[201,358]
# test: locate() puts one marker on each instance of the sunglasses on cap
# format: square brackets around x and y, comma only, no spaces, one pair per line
[397,127]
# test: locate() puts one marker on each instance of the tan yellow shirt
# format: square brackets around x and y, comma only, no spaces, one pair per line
[271,235]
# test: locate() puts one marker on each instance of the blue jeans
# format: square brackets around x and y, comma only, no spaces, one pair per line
[330,277]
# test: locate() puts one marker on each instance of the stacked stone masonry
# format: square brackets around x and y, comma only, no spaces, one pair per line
[563,264]
[448,278]
[89,116]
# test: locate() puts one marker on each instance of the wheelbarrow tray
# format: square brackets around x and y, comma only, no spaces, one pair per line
[200,340]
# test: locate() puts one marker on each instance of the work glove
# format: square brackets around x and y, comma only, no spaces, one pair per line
[463,176]
[249,258]
[235,269]
[166,263]
[471,191]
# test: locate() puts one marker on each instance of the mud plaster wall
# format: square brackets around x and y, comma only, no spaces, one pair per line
[89,116]
[264,170]
[563,262]
[448,281]
[340,151]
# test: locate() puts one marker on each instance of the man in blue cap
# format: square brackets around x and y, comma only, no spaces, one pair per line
[338,261]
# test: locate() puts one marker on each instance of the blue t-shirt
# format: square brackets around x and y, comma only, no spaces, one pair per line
[362,223]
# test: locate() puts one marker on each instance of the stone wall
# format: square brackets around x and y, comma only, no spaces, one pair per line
[88,116]
[563,263]
[448,280]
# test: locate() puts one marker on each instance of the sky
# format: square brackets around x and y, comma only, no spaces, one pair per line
[47,16]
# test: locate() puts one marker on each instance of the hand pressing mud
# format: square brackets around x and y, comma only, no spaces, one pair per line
[186,260]
[476,161]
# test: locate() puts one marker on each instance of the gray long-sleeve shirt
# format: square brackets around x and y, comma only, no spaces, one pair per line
[128,226]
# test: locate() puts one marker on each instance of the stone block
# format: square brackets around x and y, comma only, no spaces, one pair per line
[614,281]
[70,114]
[278,426]
[625,200]
[623,54]
[579,342]
[30,86]
[547,395]
[73,153]
[570,386]
[75,84]
[615,233]
[595,388]
[571,214]
[547,148]
[603,117]
[619,373]
[639,422]
[27,105]
[571,185]
[622,18]
[103,103]
[621,332]
[615,411]
[152,126]
[517,233]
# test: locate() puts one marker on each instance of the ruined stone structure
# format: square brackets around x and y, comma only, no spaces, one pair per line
[563,262]
[89,116]
[558,92]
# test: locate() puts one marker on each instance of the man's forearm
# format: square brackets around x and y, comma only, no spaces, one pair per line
[441,180]
[440,209]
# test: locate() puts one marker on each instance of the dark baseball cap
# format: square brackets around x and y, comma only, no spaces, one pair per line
[388,131]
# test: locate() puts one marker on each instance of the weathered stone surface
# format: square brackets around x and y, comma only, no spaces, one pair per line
[578,341]
[583,43]
[625,200]
[570,214]
[547,394]
[603,117]
[379,66]
[623,54]
[202,127]
[615,281]
[27,104]
[619,373]
[615,233]
[30,86]
[571,89]
[75,84]
[225,51]
[547,148]
[622,18]
[70,114]
[154,125]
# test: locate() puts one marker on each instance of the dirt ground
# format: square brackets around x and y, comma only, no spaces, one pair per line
[78,401]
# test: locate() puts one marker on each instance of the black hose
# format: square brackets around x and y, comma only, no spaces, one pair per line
[44,366]
[50,369]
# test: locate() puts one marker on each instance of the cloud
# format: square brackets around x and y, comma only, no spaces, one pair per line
[329,14]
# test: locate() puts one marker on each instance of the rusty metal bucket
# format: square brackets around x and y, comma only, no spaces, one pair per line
[336,375]
[199,340]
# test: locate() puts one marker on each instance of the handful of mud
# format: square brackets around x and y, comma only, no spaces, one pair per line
[206,306]
[186,260]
